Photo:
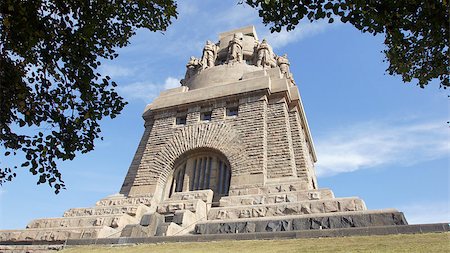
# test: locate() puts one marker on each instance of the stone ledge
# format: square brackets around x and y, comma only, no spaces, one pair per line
[122,201]
[114,221]
[300,223]
[276,197]
[273,187]
[287,208]
[55,234]
[133,210]
[375,230]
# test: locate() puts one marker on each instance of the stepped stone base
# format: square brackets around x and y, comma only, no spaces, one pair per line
[303,222]
[57,234]
[105,220]
[272,208]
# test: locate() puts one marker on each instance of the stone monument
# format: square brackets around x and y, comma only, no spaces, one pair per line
[229,151]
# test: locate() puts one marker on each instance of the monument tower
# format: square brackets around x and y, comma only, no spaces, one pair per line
[229,151]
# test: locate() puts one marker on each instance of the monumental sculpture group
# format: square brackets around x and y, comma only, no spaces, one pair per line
[229,151]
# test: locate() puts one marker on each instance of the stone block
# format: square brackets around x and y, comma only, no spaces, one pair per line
[330,206]
[314,195]
[185,218]
[123,201]
[152,221]
[136,230]
[114,221]
[133,210]
[204,195]
[347,205]
[317,207]
[57,234]
[169,229]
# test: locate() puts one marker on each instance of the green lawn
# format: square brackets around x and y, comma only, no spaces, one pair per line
[433,242]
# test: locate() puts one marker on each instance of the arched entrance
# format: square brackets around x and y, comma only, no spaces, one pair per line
[199,170]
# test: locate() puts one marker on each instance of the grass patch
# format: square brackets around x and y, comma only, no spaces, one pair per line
[432,242]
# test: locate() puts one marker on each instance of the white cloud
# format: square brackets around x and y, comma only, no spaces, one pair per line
[431,212]
[372,144]
[234,17]
[146,91]
[115,71]
[171,82]
[302,31]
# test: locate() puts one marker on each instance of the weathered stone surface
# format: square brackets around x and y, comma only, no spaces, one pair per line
[294,223]
[170,229]
[123,201]
[193,205]
[114,221]
[275,197]
[136,211]
[286,208]
[57,234]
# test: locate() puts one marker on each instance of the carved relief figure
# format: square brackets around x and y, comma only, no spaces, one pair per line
[115,222]
[284,64]
[192,68]
[235,49]
[209,55]
[265,55]
[98,222]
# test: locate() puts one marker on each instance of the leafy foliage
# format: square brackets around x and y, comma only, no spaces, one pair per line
[49,86]
[416,32]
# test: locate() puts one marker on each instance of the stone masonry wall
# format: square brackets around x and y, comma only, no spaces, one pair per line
[251,124]
[306,163]
[280,152]
[132,171]
[241,139]
[298,140]
[146,174]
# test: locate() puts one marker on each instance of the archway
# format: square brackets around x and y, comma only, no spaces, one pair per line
[201,169]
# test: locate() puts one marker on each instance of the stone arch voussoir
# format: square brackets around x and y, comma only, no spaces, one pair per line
[216,136]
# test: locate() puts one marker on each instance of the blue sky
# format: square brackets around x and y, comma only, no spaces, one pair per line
[375,137]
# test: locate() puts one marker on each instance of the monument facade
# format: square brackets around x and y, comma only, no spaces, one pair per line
[229,151]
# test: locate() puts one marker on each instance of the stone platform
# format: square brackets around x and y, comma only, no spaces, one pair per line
[38,246]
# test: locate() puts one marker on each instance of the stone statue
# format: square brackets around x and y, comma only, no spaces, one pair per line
[265,55]
[283,63]
[235,49]
[209,55]
[192,68]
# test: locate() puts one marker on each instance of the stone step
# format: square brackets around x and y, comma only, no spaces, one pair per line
[30,248]
[205,195]
[389,217]
[113,221]
[287,208]
[132,210]
[58,234]
[169,229]
[120,200]
[194,205]
[276,197]
[272,187]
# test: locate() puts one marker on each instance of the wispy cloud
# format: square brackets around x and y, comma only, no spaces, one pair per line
[115,71]
[187,35]
[371,144]
[430,212]
[147,91]
[171,82]
[302,31]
